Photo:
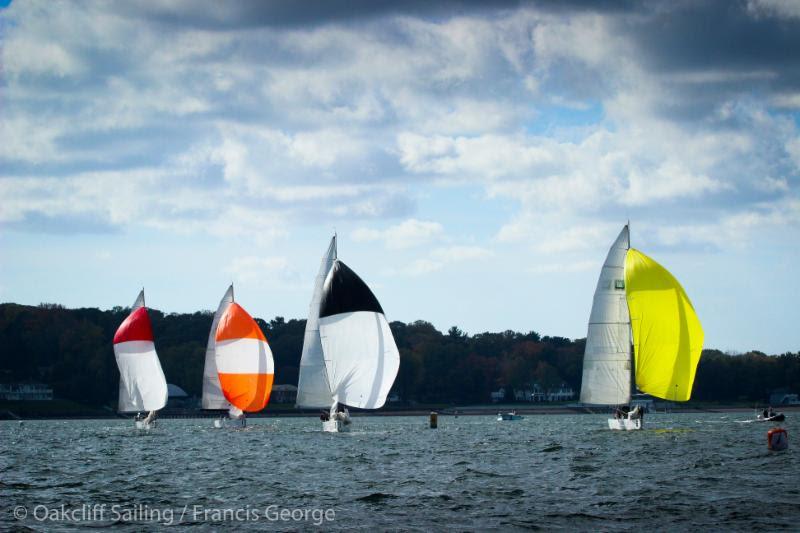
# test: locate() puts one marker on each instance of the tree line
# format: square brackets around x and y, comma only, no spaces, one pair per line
[71,350]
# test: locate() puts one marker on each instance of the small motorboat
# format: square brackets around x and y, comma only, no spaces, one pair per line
[509,416]
[777,417]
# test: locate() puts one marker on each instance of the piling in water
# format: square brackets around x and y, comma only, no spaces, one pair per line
[434,420]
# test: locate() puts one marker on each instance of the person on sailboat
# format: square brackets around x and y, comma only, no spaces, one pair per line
[342,414]
[325,416]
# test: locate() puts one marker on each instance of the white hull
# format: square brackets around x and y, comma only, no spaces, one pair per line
[335,426]
[508,417]
[624,424]
[233,423]
[144,426]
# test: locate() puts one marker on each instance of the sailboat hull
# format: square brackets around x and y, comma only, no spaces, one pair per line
[232,423]
[144,425]
[335,426]
[624,424]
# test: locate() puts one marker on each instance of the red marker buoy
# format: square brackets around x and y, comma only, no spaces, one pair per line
[777,439]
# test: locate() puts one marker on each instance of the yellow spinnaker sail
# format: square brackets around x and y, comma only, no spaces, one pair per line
[667,335]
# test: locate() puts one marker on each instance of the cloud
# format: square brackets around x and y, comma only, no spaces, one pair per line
[440,259]
[257,271]
[408,234]
[774,8]
[253,117]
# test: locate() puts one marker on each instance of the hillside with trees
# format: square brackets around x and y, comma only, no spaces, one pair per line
[71,350]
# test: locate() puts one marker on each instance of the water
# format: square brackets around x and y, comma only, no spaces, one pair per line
[544,472]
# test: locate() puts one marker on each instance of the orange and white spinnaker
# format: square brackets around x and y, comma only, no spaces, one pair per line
[244,360]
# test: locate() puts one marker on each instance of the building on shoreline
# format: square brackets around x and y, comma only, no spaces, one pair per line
[25,392]
[534,393]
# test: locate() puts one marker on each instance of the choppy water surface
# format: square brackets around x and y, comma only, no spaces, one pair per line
[685,470]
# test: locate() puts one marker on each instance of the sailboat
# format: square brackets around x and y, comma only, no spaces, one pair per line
[349,354]
[243,363]
[142,385]
[643,333]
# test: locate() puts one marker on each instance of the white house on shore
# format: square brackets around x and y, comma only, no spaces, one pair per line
[535,393]
[25,392]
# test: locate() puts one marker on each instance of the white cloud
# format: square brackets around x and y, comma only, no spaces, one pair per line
[561,268]
[408,234]
[779,8]
[440,259]
[224,130]
[256,271]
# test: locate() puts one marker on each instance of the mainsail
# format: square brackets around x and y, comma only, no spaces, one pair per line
[313,390]
[667,335]
[607,357]
[142,385]
[244,360]
[213,398]
[361,357]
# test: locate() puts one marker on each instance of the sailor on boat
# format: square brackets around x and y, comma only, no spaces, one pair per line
[150,419]
[342,414]
[770,415]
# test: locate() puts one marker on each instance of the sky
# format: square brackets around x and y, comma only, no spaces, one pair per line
[476,160]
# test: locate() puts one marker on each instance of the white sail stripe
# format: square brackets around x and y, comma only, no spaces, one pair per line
[134,348]
[244,356]
[143,386]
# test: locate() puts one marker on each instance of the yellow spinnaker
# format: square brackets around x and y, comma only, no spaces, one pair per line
[667,335]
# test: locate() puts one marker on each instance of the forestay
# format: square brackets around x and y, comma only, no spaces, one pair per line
[142,385]
[607,357]
[667,335]
[212,392]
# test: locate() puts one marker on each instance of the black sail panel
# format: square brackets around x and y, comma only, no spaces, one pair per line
[345,292]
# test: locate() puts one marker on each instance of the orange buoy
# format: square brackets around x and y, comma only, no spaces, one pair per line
[777,439]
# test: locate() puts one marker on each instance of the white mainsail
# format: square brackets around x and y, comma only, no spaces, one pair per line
[142,385]
[607,358]
[313,390]
[213,398]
